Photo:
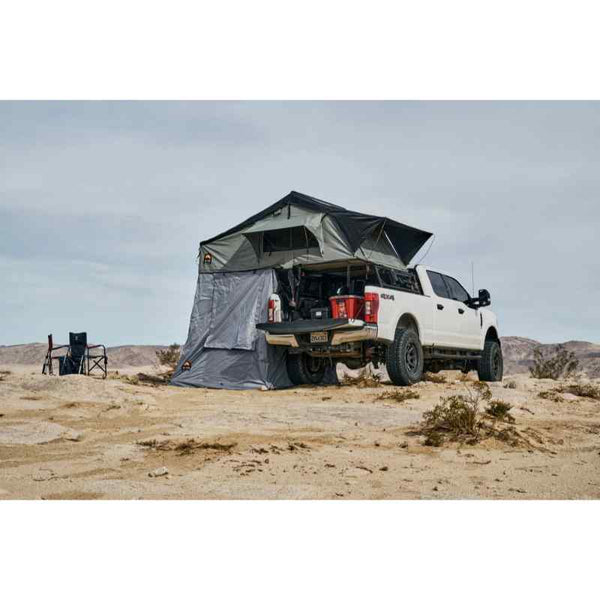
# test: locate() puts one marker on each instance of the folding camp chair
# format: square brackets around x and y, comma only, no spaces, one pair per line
[48,361]
[78,359]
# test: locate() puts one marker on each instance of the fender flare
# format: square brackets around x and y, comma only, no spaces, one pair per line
[492,334]
[409,321]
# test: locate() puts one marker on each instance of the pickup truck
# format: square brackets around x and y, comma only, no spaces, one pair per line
[412,321]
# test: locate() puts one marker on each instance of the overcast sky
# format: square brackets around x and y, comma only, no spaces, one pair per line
[103,204]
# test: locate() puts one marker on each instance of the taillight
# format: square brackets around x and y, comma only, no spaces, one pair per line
[271,311]
[371,307]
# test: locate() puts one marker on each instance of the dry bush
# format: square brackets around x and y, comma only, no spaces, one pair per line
[366,379]
[498,409]
[458,418]
[169,357]
[583,390]
[434,378]
[553,395]
[555,363]
[399,395]
[186,447]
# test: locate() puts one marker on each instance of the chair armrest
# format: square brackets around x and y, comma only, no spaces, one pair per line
[97,346]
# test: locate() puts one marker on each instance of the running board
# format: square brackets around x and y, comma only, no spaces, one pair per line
[450,353]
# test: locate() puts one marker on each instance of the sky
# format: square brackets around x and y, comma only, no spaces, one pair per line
[103,204]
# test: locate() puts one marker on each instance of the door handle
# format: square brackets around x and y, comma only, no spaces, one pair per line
[440,307]
[461,311]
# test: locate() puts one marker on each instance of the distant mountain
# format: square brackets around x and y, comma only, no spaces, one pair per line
[518,354]
[118,356]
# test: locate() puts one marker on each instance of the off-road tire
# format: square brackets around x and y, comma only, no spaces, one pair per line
[304,370]
[404,360]
[491,364]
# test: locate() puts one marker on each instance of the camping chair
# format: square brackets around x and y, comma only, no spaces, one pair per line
[47,368]
[78,359]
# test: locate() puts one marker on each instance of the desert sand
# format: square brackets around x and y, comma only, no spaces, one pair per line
[80,437]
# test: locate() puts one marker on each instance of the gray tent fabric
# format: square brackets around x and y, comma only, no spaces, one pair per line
[341,235]
[224,347]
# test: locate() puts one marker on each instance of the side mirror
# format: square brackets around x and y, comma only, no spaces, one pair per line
[484,298]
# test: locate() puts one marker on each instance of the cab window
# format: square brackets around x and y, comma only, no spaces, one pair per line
[457,291]
[438,285]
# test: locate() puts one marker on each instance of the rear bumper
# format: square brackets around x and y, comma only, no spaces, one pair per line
[343,331]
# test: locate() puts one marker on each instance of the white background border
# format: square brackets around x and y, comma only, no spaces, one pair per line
[303,50]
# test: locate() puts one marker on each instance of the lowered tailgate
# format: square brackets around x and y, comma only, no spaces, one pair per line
[309,325]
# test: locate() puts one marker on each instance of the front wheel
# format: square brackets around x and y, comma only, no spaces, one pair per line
[305,369]
[491,363]
[404,361]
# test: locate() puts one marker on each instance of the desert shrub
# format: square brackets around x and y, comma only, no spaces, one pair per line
[399,395]
[482,390]
[498,409]
[169,357]
[459,418]
[184,447]
[366,379]
[435,439]
[434,378]
[583,390]
[555,363]
[551,395]
[455,415]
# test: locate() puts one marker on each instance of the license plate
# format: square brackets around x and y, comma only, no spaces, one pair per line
[318,337]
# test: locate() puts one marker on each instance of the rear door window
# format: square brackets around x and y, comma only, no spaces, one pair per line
[457,291]
[438,285]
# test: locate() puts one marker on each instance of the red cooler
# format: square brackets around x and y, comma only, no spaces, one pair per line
[347,307]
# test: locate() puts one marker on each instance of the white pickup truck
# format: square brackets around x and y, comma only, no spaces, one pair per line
[411,321]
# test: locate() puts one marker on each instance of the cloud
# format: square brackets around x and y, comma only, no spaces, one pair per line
[107,201]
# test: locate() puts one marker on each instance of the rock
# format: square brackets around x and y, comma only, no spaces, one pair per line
[73,436]
[160,472]
[43,475]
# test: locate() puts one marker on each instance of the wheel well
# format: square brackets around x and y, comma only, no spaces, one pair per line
[492,334]
[407,321]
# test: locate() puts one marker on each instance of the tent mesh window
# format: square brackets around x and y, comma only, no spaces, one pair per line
[292,238]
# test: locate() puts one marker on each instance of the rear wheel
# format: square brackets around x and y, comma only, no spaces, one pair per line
[305,369]
[404,361]
[491,364]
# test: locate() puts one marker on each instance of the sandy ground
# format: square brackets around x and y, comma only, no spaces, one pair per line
[78,437]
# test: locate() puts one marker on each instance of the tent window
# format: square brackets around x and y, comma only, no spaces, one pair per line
[292,238]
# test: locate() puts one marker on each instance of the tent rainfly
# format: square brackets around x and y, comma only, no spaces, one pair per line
[237,274]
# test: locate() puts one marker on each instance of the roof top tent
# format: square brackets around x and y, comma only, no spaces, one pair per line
[238,271]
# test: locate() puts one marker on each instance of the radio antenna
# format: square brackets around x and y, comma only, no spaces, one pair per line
[472,279]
